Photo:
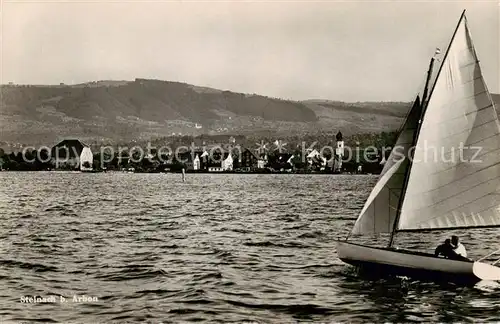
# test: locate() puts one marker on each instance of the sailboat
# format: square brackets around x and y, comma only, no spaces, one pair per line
[419,190]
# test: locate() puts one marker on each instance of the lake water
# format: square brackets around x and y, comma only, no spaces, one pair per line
[217,248]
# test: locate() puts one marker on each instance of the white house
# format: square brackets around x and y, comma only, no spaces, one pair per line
[313,155]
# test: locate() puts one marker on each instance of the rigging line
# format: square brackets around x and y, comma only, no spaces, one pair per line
[490,254]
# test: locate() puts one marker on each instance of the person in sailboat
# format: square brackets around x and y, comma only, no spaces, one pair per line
[458,247]
[445,249]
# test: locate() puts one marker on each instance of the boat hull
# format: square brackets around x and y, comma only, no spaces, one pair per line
[423,266]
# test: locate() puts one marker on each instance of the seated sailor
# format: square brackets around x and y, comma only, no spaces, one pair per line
[445,249]
[458,247]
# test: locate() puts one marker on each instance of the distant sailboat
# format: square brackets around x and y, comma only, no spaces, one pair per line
[417,191]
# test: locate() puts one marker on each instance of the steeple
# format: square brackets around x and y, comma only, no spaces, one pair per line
[339,153]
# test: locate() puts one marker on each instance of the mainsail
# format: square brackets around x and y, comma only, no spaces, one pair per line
[454,179]
[380,209]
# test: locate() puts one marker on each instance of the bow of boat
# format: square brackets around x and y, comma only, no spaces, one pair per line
[485,271]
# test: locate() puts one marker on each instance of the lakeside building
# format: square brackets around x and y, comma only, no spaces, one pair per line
[221,162]
[203,161]
[281,162]
[219,158]
[314,158]
[194,160]
[248,160]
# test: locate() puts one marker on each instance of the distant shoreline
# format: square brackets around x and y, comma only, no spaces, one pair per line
[194,172]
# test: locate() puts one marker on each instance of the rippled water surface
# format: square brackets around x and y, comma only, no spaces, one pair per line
[216,248]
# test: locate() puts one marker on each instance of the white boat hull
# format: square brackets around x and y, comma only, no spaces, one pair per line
[415,264]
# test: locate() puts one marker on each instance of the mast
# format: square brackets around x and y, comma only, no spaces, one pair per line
[407,171]
[410,158]
[415,137]
[426,88]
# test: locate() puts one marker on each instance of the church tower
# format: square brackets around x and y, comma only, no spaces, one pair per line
[339,152]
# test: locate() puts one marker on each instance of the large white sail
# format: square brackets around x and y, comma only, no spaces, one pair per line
[380,210]
[454,179]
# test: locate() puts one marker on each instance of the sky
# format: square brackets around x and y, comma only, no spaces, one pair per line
[338,50]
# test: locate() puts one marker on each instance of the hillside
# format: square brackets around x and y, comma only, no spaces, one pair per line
[142,109]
